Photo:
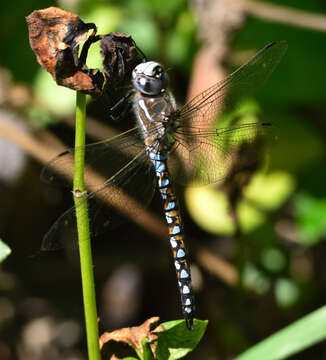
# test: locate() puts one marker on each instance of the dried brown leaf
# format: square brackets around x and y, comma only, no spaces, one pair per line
[119,54]
[134,335]
[55,35]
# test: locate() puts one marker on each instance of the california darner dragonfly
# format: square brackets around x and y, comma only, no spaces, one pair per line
[167,143]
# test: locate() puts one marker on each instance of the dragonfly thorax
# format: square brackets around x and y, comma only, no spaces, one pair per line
[150,78]
[154,106]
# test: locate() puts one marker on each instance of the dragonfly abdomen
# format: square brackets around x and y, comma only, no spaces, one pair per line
[176,235]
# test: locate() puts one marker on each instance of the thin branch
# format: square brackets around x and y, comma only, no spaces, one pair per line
[284,15]
[216,265]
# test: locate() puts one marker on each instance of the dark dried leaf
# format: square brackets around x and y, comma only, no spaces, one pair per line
[55,36]
[133,336]
[119,54]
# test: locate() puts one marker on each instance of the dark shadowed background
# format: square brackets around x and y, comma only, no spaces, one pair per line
[273,240]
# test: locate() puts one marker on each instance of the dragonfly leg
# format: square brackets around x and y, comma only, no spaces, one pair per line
[118,104]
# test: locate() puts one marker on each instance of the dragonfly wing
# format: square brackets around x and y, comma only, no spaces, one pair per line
[242,82]
[130,181]
[106,157]
[205,156]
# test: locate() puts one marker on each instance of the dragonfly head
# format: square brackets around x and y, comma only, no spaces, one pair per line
[150,78]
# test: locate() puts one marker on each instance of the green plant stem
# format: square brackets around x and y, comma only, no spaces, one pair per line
[84,241]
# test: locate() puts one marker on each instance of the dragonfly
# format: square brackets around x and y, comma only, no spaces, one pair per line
[167,143]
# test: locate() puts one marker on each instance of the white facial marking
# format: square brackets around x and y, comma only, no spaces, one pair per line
[142,81]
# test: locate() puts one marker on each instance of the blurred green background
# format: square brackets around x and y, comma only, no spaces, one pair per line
[276,245]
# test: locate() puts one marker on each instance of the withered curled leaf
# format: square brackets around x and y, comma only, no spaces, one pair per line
[55,35]
[120,56]
[133,336]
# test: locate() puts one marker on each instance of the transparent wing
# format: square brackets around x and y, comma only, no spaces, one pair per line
[223,95]
[206,155]
[129,180]
[105,157]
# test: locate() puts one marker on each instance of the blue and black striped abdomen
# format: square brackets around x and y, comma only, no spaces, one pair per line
[175,226]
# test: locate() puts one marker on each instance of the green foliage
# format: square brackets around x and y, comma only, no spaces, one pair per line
[256,279]
[181,41]
[294,80]
[299,145]
[252,209]
[60,103]
[5,251]
[290,340]
[162,32]
[107,19]
[310,216]
[286,292]
[154,9]
[177,341]
[16,54]
[40,117]
[144,31]
[273,259]
[146,350]
[106,16]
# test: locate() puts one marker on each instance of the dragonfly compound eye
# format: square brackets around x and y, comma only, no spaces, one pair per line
[150,78]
